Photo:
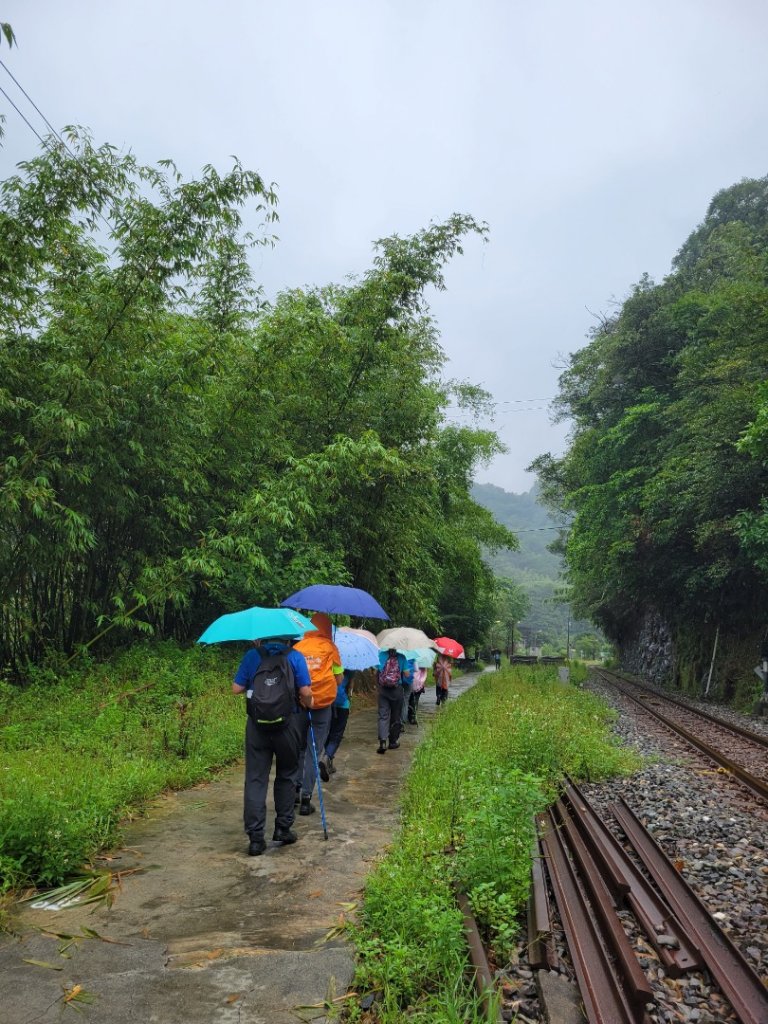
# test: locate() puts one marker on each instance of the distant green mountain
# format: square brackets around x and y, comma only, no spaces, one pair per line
[533,567]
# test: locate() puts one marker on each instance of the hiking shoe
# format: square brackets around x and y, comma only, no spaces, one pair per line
[323,771]
[306,807]
[284,836]
[394,744]
[257,846]
[331,766]
[382,747]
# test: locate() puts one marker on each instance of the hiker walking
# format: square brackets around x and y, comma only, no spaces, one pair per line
[271,671]
[442,671]
[419,683]
[324,663]
[339,719]
[392,668]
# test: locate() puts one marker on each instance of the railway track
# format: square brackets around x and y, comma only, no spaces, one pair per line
[742,754]
[594,876]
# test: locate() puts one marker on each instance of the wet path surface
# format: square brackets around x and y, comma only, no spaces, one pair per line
[212,936]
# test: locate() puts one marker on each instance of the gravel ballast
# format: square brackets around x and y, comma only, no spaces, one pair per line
[717,837]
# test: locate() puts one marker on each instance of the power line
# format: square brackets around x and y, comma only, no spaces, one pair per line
[22,116]
[29,98]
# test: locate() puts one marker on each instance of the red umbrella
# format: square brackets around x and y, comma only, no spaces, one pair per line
[450,647]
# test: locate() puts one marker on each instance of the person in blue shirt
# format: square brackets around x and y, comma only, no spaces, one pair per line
[341,708]
[264,744]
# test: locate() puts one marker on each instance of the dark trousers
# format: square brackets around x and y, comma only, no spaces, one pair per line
[336,733]
[261,745]
[413,705]
[441,695]
[321,722]
[390,710]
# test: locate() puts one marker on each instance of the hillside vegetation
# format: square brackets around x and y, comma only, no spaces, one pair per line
[667,474]
[534,568]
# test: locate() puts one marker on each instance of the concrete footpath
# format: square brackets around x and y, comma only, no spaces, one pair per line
[204,934]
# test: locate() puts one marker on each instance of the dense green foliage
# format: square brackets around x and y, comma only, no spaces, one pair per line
[172,447]
[492,759]
[77,753]
[668,466]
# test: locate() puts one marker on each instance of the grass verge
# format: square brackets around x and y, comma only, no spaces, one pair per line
[77,754]
[490,762]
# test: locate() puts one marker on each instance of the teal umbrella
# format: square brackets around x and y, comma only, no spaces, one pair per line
[256,624]
[423,656]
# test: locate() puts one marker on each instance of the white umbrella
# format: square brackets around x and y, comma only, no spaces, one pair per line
[403,638]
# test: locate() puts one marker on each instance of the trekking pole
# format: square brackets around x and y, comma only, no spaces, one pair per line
[317,774]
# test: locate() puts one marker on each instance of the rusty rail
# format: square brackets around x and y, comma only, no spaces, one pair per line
[541,952]
[740,984]
[634,982]
[484,983]
[604,997]
[632,889]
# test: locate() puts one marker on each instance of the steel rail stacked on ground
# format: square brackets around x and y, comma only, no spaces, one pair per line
[592,876]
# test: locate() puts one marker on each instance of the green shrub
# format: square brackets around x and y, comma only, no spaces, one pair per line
[79,752]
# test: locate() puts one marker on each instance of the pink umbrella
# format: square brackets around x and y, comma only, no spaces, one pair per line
[450,647]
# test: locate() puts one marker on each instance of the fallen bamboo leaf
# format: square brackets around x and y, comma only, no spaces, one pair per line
[234,997]
[72,993]
[44,963]
[91,933]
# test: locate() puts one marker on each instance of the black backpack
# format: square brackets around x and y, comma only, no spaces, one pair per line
[271,697]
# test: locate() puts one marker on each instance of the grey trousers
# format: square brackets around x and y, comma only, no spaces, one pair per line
[321,724]
[261,746]
[406,688]
[390,710]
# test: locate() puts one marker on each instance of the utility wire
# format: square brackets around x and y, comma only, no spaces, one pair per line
[22,116]
[29,98]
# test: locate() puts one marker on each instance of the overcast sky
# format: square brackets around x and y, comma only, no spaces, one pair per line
[590,136]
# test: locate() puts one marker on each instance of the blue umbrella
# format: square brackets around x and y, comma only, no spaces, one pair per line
[356,652]
[256,624]
[336,600]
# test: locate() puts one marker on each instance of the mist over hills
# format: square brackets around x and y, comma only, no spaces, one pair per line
[533,567]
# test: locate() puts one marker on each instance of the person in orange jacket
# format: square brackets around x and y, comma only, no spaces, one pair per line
[324,663]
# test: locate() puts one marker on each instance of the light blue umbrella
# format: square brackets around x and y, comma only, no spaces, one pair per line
[356,651]
[423,656]
[256,624]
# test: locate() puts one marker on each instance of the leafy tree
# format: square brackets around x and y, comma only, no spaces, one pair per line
[667,466]
[172,447]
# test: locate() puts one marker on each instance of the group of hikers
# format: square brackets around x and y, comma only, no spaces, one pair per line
[298,702]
